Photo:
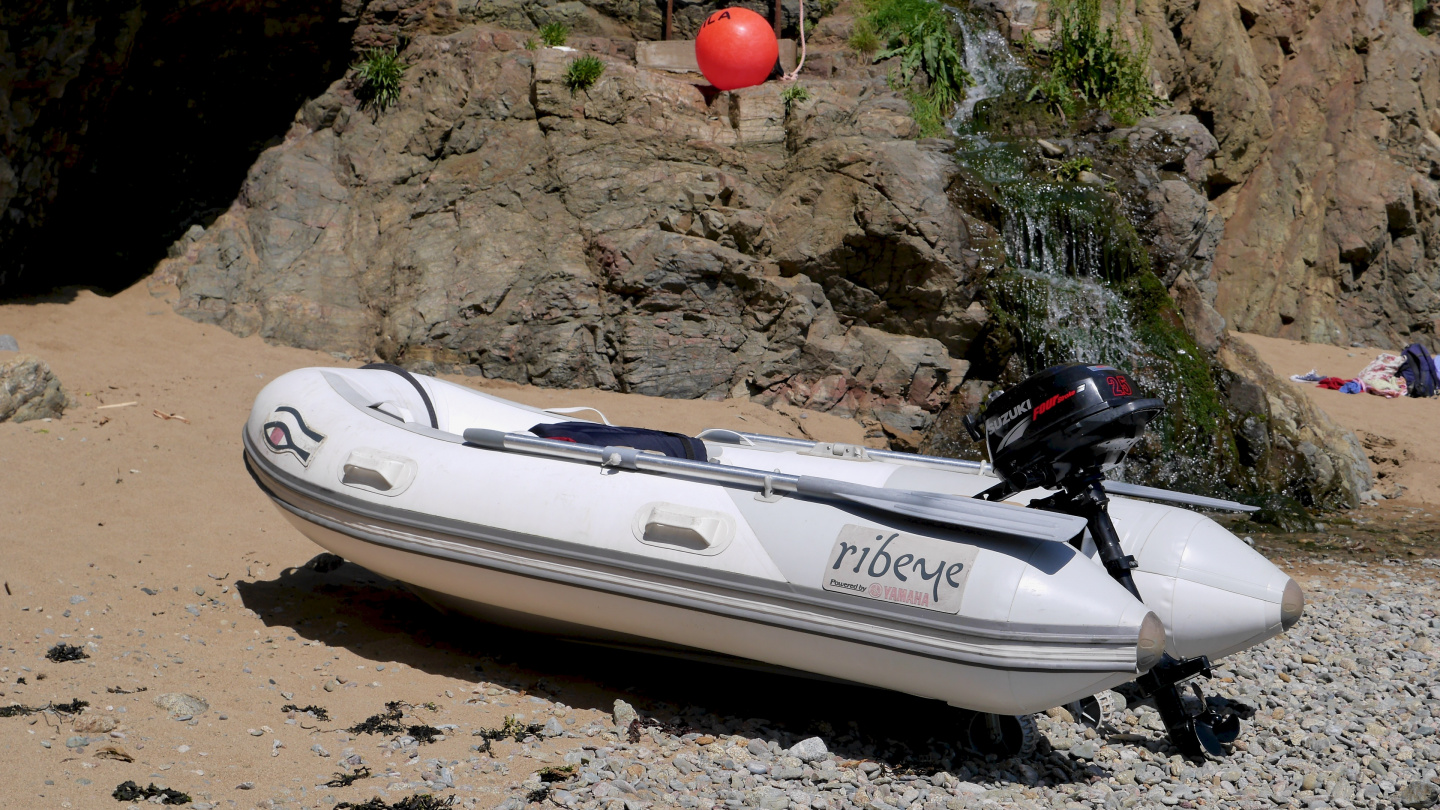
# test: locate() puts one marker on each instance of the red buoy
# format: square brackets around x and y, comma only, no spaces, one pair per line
[736,48]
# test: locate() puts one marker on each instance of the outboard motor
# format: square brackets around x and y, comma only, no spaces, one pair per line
[1062,429]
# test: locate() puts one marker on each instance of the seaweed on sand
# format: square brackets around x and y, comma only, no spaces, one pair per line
[386,723]
[62,652]
[130,792]
[320,712]
[73,707]
[343,779]
[420,801]
[512,729]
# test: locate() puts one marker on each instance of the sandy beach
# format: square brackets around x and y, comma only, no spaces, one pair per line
[1399,435]
[112,500]
[141,540]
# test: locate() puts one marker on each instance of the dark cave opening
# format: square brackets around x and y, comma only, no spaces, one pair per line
[207,88]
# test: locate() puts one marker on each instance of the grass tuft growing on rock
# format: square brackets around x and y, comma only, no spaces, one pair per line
[582,73]
[1070,170]
[554,34]
[932,71]
[863,39]
[1092,62]
[794,94]
[379,73]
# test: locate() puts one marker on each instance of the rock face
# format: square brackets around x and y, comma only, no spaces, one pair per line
[1168,156]
[57,70]
[643,236]
[1326,119]
[29,390]
[635,236]
[85,88]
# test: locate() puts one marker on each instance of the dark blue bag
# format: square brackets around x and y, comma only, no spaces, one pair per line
[1418,371]
[675,445]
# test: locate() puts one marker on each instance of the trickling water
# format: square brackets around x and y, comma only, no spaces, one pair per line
[1070,319]
[1056,229]
[1073,260]
[988,60]
[1064,241]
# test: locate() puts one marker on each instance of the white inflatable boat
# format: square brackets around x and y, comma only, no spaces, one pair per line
[869,566]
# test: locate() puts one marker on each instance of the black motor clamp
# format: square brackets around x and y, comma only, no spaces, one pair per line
[1210,725]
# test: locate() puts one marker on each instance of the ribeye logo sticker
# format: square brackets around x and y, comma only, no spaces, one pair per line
[286,432]
[905,569]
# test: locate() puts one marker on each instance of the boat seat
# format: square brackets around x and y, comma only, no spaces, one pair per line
[675,445]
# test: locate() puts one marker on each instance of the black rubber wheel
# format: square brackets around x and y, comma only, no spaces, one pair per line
[1094,711]
[1004,735]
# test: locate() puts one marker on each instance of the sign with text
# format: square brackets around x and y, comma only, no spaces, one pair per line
[905,569]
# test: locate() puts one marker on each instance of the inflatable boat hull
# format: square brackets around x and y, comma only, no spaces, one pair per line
[1021,625]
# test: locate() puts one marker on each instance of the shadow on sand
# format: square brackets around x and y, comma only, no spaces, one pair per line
[347,606]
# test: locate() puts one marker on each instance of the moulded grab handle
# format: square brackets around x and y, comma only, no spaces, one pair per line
[377,471]
[686,529]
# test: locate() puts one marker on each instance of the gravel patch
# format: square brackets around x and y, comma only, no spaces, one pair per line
[1347,706]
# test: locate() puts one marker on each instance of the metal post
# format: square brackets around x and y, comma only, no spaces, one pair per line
[777,19]
[669,15]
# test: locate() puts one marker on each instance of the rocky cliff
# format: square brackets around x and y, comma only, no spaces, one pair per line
[651,236]
[1326,115]
[638,236]
[122,123]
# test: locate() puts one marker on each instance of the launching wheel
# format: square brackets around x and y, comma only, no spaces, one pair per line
[1095,711]
[1004,735]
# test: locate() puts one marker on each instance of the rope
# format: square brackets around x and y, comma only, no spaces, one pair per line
[795,74]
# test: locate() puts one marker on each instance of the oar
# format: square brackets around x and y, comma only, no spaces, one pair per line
[1171,496]
[980,468]
[968,514]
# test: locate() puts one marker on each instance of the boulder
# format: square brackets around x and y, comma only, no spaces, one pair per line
[29,390]
[1292,445]
[637,235]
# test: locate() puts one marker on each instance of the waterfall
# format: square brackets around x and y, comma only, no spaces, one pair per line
[1061,238]
[988,60]
[1073,261]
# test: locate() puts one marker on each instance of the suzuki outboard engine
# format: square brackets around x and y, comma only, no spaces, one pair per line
[1064,422]
[1062,429]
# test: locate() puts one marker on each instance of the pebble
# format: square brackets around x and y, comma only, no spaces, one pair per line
[1348,715]
[624,713]
[182,706]
[1419,794]
[809,750]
